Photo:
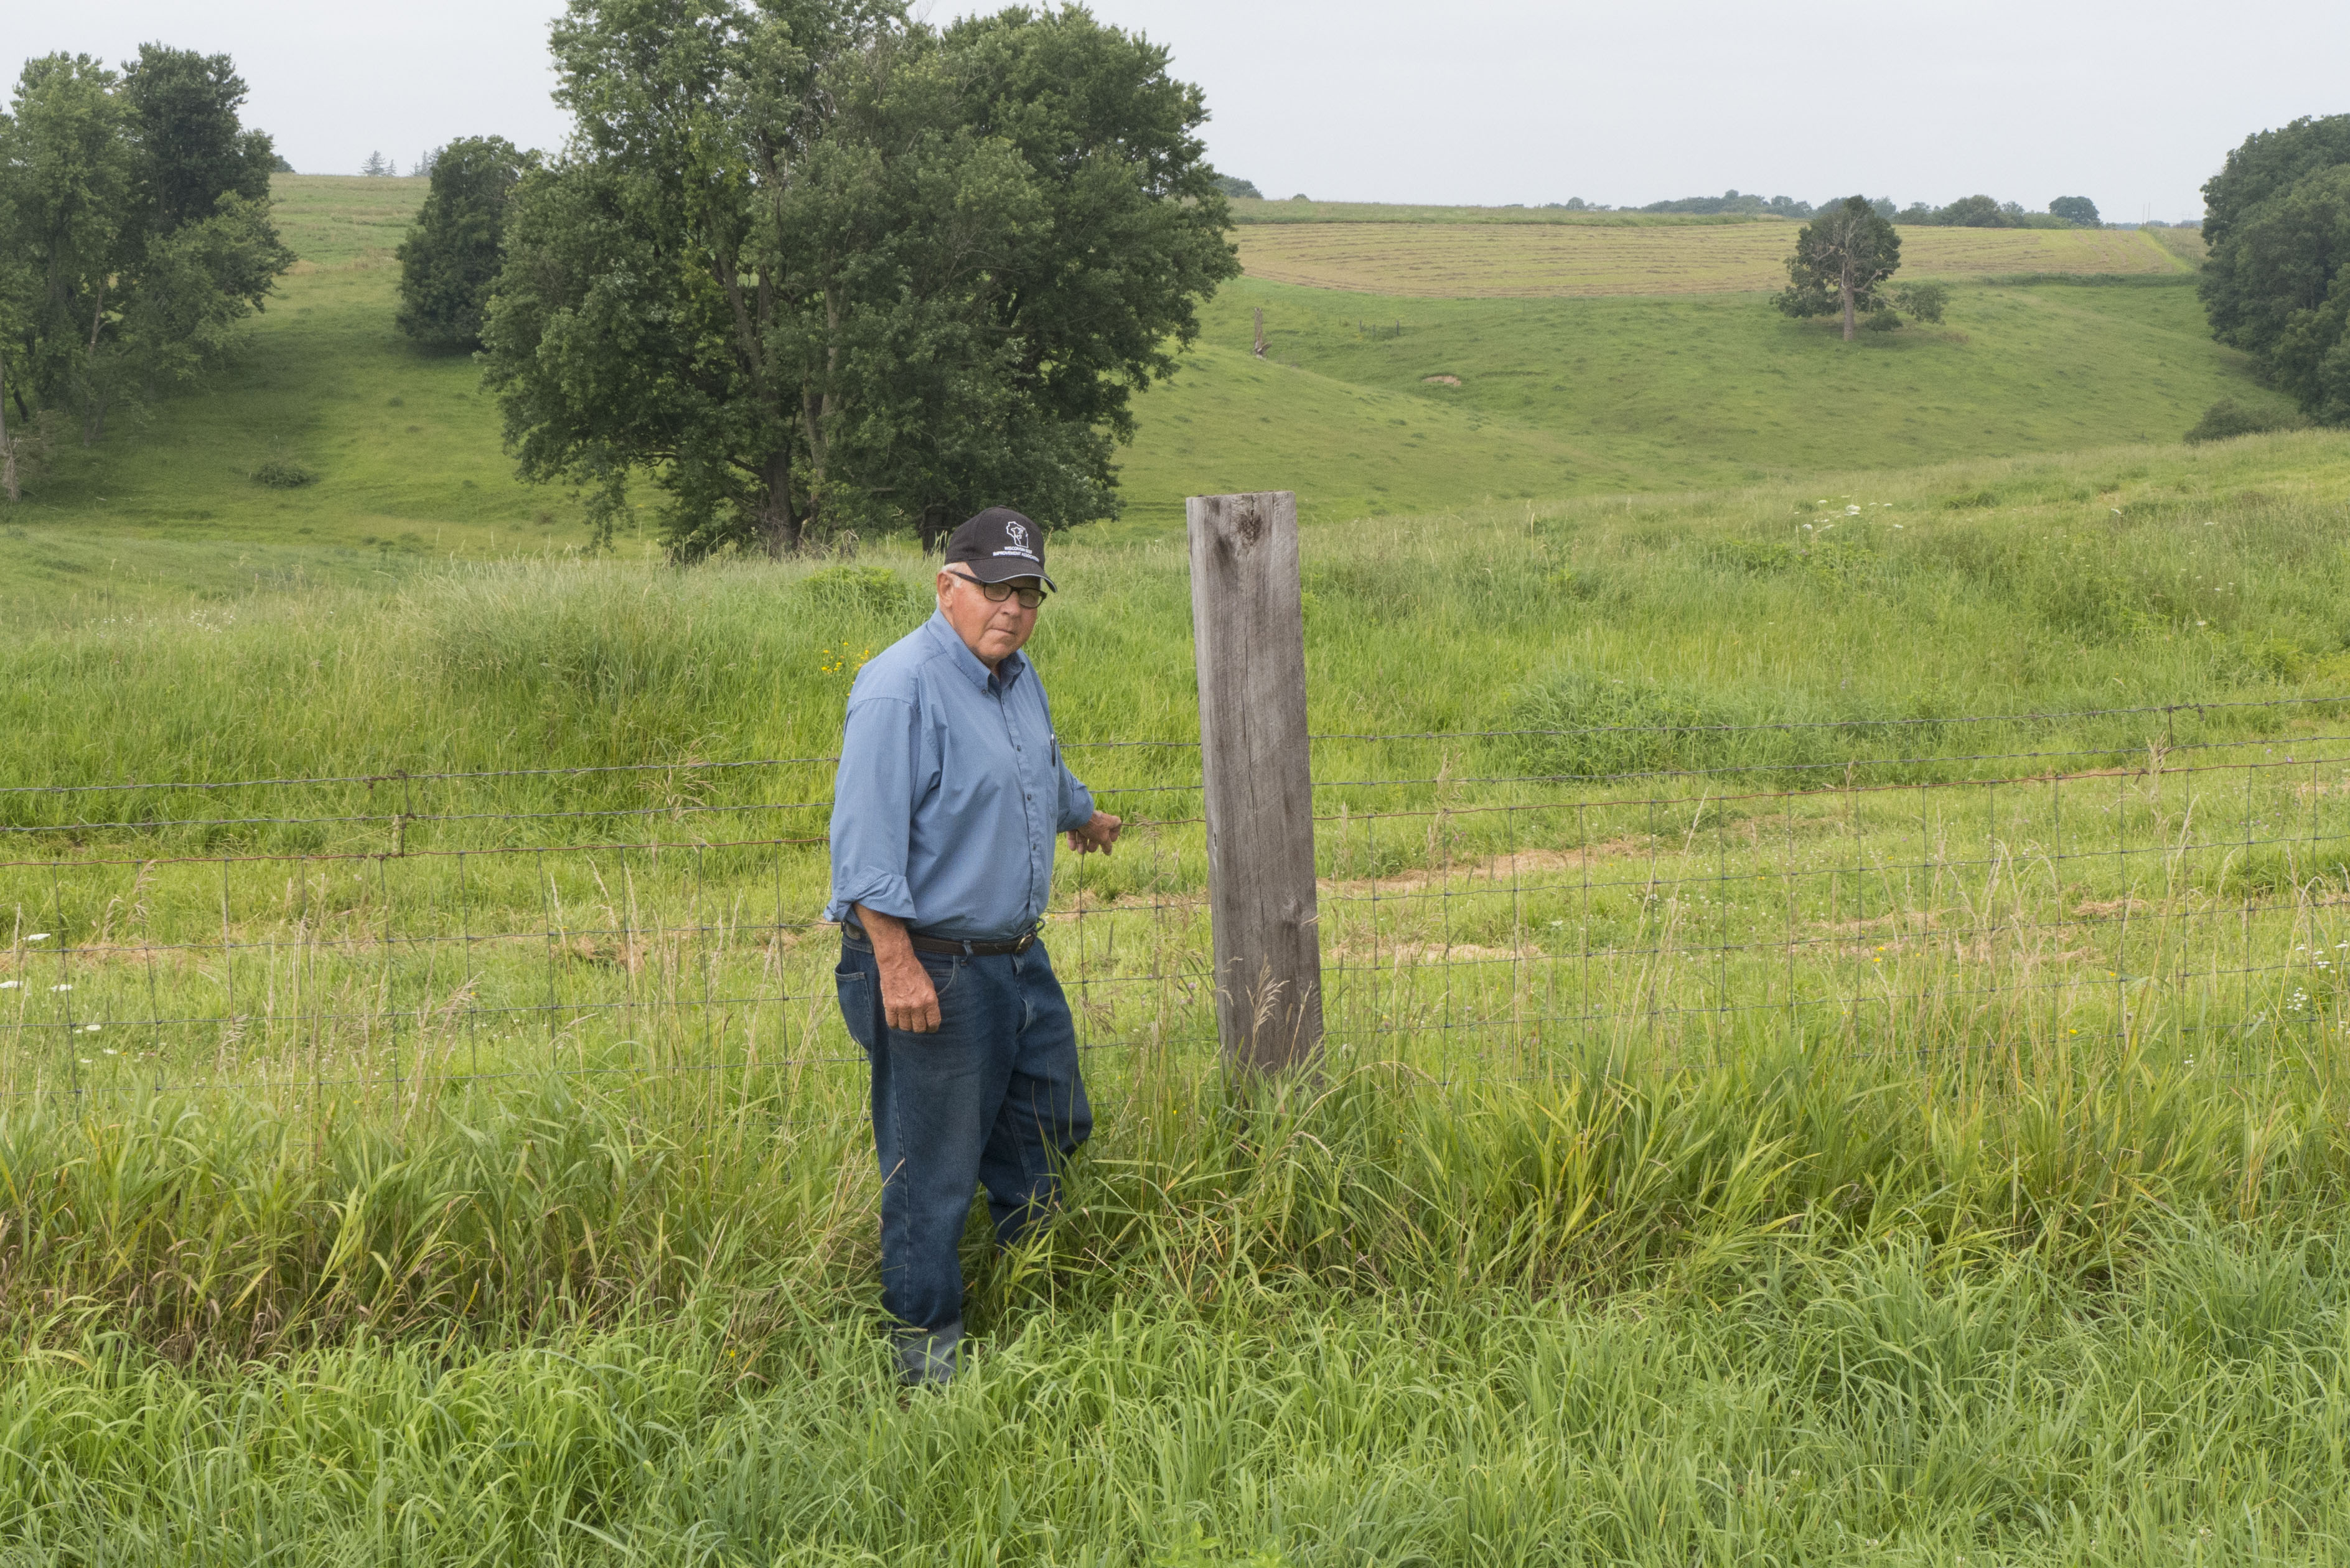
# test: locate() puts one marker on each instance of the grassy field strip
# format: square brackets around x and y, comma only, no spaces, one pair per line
[1508,926]
[1261,210]
[1436,260]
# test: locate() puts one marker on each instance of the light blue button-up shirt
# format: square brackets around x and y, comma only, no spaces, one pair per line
[951,791]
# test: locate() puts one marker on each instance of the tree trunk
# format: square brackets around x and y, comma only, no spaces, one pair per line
[94,423]
[8,447]
[936,524]
[779,525]
[1844,278]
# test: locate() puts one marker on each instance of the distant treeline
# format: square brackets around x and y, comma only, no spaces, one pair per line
[1966,212]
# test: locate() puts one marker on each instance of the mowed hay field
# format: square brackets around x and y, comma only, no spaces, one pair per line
[1473,261]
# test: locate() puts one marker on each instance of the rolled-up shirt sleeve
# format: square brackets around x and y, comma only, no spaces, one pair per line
[873,808]
[1077,802]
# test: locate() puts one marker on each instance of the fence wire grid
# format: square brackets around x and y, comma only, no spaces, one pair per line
[1492,904]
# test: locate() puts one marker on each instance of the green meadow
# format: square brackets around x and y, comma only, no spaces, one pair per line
[1556,398]
[1832,867]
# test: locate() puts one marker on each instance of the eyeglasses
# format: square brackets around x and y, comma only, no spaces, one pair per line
[998,592]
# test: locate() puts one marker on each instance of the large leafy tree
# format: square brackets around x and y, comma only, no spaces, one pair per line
[2276,281]
[71,176]
[1842,259]
[138,240]
[193,147]
[2289,259]
[809,266]
[451,258]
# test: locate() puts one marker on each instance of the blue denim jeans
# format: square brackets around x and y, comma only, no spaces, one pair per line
[994,1098]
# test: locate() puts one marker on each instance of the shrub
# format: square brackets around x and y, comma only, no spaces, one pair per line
[2227,419]
[283,474]
[864,591]
[1926,301]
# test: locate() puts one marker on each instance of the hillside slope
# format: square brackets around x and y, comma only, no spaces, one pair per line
[1554,397]
[1576,396]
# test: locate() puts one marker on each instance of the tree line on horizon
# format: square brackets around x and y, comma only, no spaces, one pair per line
[1966,212]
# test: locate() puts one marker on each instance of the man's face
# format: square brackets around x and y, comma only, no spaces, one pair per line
[992,631]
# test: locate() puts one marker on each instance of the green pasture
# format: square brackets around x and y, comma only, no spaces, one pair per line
[1833,872]
[1556,398]
[1576,396]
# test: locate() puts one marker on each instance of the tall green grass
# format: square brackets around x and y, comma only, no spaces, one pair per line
[2032,1258]
[1845,1315]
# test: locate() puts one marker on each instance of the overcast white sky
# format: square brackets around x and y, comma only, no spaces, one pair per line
[2132,104]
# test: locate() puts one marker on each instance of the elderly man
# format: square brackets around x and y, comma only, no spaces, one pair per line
[950,795]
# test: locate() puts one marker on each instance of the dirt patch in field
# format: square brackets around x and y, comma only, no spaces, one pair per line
[1411,955]
[1441,380]
[1494,869]
[1898,920]
[2105,907]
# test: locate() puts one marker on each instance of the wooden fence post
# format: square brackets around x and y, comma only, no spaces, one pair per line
[1248,627]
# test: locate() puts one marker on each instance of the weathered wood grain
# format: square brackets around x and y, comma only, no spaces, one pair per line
[1249,631]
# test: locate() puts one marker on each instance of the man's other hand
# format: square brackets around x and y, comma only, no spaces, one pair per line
[1098,833]
[908,1001]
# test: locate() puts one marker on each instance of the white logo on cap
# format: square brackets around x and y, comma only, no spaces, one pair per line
[1017,535]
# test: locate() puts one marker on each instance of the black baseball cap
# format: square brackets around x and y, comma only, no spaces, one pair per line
[998,546]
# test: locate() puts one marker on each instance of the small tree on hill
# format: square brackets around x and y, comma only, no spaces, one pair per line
[450,260]
[1841,258]
[2078,211]
[378,167]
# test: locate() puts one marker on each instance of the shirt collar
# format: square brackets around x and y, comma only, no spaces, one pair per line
[950,645]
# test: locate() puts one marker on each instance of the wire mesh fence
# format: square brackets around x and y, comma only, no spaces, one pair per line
[1492,904]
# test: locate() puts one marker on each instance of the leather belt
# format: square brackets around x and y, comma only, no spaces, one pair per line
[952,946]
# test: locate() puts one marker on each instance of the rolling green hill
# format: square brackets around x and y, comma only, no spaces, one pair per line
[1579,396]
[1553,396]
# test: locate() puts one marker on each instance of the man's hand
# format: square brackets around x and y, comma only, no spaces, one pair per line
[1099,832]
[908,1001]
